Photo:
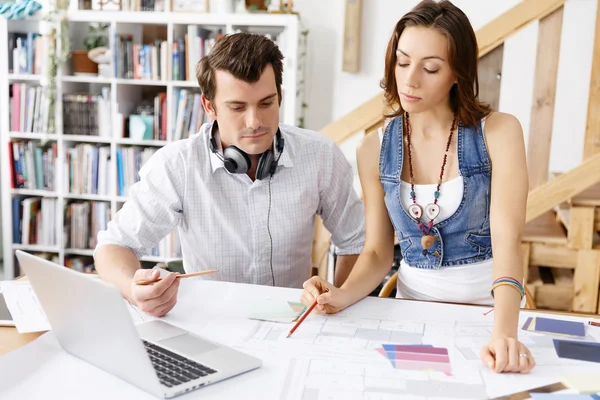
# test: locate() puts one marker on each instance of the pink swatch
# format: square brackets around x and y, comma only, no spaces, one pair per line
[418,357]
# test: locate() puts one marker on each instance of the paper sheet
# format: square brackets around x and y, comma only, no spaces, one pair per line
[276,310]
[24,307]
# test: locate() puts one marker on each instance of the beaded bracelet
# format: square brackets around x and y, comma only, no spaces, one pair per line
[506,280]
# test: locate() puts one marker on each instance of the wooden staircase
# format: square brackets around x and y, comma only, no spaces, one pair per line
[561,250]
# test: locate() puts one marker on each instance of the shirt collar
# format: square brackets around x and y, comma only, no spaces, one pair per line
[285,160]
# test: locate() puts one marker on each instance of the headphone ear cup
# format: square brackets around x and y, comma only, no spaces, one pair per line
[263,169]
[236,161]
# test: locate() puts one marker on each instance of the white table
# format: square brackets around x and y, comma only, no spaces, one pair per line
[328,357]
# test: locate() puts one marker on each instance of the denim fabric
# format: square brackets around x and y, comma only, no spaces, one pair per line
[464,238]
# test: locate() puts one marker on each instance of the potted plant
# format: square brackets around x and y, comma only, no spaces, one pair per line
[97,37]
[257,5]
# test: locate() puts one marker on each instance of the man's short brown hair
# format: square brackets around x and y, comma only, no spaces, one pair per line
[243,55]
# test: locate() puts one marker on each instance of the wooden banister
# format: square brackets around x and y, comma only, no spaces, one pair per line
[360,119]
[489,37]
[501,28]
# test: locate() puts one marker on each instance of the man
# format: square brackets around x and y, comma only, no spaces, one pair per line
[243,193]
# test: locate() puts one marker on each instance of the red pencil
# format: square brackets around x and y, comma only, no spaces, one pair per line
[313,305]
[594,323]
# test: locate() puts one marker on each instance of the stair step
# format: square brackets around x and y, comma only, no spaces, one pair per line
[545,229]
[563,213]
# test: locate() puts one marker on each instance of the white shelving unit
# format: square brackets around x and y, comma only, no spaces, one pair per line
[284,28]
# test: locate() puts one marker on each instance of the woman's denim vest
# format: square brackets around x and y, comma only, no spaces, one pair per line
[464,238]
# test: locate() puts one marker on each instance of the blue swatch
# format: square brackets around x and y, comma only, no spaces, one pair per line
[560,327]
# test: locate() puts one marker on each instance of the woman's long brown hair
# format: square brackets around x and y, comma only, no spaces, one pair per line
[451,22]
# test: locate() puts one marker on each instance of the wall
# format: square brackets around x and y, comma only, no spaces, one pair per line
[331,93]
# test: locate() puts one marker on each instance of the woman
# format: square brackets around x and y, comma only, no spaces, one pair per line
[429,177]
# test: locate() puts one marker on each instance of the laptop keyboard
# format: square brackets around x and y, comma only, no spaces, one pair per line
[173,369]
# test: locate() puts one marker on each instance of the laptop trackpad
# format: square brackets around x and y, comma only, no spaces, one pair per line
[188,344]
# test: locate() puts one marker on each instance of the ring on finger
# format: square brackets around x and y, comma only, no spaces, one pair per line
[524,355]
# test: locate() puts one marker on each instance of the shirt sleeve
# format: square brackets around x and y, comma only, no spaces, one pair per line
[341,209]
[154,207]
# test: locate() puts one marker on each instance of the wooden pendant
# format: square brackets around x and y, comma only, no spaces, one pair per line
[432,211]
[415,211]
[427,241]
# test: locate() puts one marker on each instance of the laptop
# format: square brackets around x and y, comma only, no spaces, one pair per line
[90,320]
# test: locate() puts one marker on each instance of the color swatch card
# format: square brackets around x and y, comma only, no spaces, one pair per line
[417,357]
[278,311]
[555,326]
[576,350]
[563,396]
[583,383]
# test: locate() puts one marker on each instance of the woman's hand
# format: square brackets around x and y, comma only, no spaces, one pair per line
[507,354]
[333,301]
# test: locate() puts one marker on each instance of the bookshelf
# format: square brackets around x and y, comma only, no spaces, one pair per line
[79,173]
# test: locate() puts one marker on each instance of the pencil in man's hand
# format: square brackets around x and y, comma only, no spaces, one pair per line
[313,305]
[178,276]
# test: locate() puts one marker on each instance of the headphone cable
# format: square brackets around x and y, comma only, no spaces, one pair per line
[269,231]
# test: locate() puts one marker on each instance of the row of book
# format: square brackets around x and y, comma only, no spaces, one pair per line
[188,113]
[29,106]
[129,162]
[142,5]
[87,113]
[154,61]
[32,165]
[88,170]
[27,53]
[87,167]
[198,42]
[81,264]
[34,221]
[90,114]
[83,221]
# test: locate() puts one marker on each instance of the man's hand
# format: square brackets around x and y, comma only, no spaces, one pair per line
[156,299]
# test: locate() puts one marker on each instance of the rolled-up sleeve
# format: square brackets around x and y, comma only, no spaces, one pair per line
[154,207]
[341,209]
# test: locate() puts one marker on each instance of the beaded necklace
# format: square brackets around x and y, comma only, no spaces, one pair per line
[433,209]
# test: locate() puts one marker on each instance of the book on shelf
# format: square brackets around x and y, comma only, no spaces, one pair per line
[129,162]
[34,221]
[153,61]
[88,170]
[83,221]
[32,165]
[29,105]
[140,61]
[27,53]
[198,43]
[87,114]
[83,264]
[188,113]
[142,5]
